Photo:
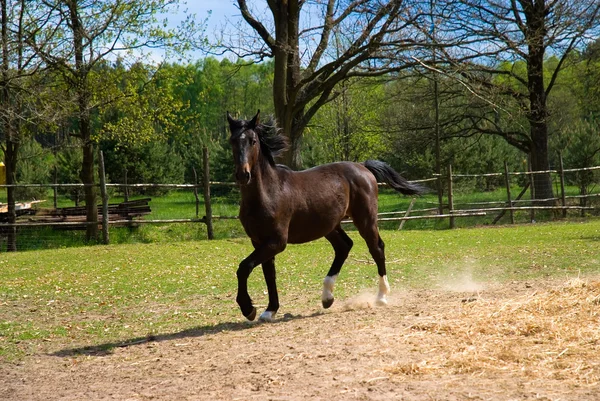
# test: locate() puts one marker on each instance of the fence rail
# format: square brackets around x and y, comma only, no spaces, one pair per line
[449,208]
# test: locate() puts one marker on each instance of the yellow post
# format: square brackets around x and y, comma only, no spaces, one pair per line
[2,174]
[2,182]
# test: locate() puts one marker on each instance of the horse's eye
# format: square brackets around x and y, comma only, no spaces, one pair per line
[253,141]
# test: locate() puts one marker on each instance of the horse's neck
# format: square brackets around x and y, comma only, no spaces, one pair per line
[263,186]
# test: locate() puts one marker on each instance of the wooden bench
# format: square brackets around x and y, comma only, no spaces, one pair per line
[126,213]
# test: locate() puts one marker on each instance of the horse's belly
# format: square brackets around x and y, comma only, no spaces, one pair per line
[309,228]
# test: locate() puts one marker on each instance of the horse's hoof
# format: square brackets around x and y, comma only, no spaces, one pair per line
[327,303]
[381,301]
[266,316]
[252,315]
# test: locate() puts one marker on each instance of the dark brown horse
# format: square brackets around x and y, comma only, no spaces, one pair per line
[281,206]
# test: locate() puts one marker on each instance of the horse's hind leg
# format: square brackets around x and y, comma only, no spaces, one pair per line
[341,245]
[370,233]
[384,286]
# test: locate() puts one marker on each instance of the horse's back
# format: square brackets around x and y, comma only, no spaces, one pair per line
[324,195]
[333,179]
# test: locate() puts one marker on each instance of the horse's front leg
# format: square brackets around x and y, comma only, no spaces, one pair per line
[268,268]
[243,298]
[262,254]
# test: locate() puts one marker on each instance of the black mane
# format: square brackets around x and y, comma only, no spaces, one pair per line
[272,141]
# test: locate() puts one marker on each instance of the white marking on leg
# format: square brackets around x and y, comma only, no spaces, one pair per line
[384,289]
[267,316]
[328,288]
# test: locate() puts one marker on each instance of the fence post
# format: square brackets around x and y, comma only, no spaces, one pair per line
[104,194]
[207,205]
[562,185]
[412,203]
[55,188]
[450,196]
[508,194]
[125,187]
[440,191]
[196,191]
[531,189]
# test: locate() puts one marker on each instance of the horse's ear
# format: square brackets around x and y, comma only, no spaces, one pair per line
[254,122]
[230,119]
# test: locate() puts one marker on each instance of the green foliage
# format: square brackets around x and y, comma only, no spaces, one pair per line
[145,109]
[483,154]
[409,125]
[68,165]
[348,128]
[147,163]
[209,88]
[34,167]
[581,149]
[589,78]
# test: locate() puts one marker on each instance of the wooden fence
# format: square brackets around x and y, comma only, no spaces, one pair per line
[448,209]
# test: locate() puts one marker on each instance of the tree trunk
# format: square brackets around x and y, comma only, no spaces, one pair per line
[85,131]
[300,90]
[538,110]
[11,147]
[286,78]
[87,178]
[280,74]
[539,162]
[87,167]
[10,161]
[293,157]
[294,130]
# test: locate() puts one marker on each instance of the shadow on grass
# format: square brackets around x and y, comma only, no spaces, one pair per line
[594,238]
[107,348]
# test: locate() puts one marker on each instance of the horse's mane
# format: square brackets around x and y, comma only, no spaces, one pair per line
[272,141]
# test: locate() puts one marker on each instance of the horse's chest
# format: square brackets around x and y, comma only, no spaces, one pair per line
[258,223]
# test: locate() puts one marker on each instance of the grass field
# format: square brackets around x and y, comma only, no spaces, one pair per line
[103,296]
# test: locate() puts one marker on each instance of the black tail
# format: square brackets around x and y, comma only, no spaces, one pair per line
[384,173]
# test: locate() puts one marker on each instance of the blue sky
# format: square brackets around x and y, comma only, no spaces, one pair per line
[221,11]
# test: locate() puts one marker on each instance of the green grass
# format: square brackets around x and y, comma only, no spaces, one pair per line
[102,296]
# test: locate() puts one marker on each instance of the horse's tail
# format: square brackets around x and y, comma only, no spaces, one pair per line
[383,172]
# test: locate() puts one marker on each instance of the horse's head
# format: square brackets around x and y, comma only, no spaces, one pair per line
[245,144]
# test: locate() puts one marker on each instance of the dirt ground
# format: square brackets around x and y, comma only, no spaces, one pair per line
[434,344]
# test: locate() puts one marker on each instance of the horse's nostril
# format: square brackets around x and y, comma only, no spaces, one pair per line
[243,176]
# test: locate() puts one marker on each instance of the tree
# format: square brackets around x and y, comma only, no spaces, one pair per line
[10,47]
[581,149]
[20,95]
[409,122]
[590,84]
[349,128]
[208,87]
[35,166]
[92,31]
[478,38]
[374,39]
[68,163]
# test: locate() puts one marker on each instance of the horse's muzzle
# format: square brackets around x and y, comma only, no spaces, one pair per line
[243,175]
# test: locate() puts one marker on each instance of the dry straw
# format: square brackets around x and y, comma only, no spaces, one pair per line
[548,335]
